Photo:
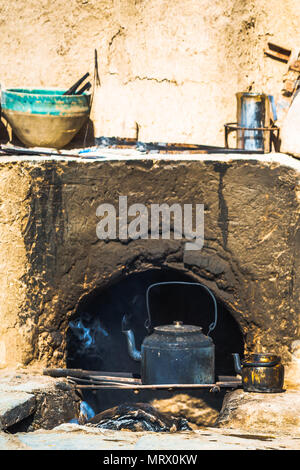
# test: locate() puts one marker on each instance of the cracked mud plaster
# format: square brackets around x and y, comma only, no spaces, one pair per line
[172,67]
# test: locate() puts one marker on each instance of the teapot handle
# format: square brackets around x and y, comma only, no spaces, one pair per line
[148,321]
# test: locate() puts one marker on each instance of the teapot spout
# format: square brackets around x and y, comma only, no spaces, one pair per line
[237,363]
[134,353]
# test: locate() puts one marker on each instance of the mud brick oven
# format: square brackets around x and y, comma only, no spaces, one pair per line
[54,268]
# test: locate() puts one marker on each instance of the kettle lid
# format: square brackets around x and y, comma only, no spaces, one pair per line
[178,328]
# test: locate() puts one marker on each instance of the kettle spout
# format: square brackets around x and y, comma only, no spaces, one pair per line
[132,351]
[237,363]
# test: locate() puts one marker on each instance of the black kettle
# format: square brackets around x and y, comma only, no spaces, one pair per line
[177,353]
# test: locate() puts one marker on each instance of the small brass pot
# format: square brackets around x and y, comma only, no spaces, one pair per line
[262,373]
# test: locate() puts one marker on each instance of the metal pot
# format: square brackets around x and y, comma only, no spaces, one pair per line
[174,354]
[253,113]
[260,372]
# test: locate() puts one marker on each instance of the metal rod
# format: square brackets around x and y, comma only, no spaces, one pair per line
[233,127]
[233,384]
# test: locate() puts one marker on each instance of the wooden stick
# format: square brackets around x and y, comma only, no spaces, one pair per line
[85,87]
[106,380]
[97,77]
[74,87]
[81,373]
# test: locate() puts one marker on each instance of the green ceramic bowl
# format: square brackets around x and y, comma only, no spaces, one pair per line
[43,117]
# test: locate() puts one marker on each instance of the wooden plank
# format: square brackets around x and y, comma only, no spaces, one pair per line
[278,52]
[277,55]
[283,49]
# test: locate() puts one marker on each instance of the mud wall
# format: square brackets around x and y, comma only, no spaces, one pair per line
[51,257]
[171,67]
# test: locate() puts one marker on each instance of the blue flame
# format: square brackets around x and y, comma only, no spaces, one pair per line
[86,411]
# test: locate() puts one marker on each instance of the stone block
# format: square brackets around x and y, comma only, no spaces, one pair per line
[262,412]
[14,407]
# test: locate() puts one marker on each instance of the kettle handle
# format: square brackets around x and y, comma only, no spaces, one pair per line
[148,321]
